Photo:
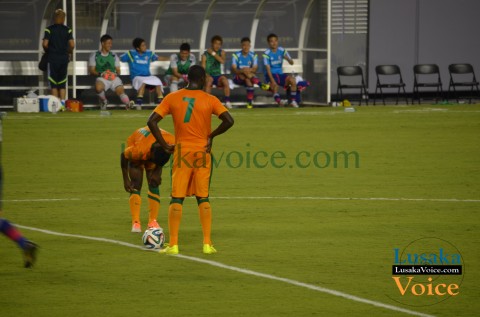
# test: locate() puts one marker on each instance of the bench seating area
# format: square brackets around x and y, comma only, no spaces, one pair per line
[19,77]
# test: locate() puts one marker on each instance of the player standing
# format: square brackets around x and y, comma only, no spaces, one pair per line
[273,60]
[191,109]
[212,60]
[244,66]
[142,153]
[180,63]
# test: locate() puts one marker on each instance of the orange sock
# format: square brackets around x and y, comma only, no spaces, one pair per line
[135,202]
[205,213]
[153,203]
[174,218]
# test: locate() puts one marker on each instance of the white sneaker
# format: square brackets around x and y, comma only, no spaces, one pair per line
[130,105]
[228,104]
[294,104]
[103,105]
[283,103]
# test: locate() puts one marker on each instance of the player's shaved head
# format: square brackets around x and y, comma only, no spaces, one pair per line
[196,77]
[59,16]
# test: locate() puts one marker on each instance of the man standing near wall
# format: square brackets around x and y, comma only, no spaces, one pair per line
[58,43]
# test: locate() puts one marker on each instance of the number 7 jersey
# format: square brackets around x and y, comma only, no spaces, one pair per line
[191,110]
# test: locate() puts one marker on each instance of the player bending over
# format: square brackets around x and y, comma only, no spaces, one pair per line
[142,153]
[273,60]
[212,59]
[191,109]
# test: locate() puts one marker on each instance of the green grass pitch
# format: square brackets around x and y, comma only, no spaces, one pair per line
[291,213]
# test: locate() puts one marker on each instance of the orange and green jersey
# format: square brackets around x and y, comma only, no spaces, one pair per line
[140,143]
[191,110]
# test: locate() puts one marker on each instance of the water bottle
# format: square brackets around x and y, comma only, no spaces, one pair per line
[54,107]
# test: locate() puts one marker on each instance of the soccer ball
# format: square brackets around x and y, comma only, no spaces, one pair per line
[153,238]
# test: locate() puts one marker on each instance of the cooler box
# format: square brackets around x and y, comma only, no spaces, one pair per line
[24,104]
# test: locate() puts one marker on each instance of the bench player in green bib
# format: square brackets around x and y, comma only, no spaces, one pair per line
[180,63]
[105,65]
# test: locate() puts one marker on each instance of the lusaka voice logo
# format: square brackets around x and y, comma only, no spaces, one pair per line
[426,272]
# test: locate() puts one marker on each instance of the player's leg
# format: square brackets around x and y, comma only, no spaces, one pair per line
[250,92]
[140,92]
[223,82]
[135,172]
[120,91]
[209,84]
[100,90]
[173,80]
[154,179]
[159,91]
[181,178]
[62,83]
[201,181]
[292,84]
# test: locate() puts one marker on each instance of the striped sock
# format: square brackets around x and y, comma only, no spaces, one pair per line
[277,98]
[250,93]
[12,233]
[124,98]
[102,96]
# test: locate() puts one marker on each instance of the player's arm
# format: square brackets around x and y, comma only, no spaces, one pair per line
[287,57]
[204,61]
[93,71]
[45,44]
[235,69]
[152,123]
[71,46]
[227,123]
[117,65]
[176,73]
[92,65]
[127,184]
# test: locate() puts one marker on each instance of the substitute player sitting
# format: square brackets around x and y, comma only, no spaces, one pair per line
[244,66]
[139,60]
[142,153]
[273,60]
[191,109]
[180,63]
[212,60]
[105,65]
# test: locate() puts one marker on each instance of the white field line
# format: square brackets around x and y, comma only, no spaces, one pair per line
[266,198]
[244,271]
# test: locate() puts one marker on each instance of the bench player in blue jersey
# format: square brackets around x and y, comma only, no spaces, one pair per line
[139,60]
[273,60]
[244,66]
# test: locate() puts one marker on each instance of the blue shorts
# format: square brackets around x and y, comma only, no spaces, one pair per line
[280,79]
[237,80]
[215,80]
